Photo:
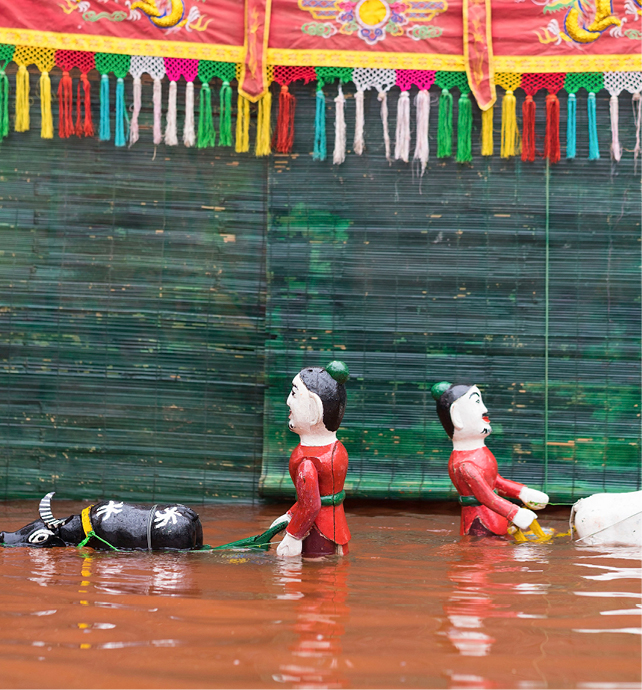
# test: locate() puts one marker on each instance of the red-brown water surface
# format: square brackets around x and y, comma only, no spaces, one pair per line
[413,605]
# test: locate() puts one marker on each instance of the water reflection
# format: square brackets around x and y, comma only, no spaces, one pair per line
[320,590]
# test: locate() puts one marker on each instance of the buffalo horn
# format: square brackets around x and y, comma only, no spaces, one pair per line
[45,512]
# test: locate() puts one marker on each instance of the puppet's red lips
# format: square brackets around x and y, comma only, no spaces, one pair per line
[486,419]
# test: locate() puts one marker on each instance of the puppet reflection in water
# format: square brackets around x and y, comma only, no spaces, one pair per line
[318,465]
[473,468]
[321,616]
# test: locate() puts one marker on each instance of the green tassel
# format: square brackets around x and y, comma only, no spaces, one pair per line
[225,117]
[4,105]
[445,126]
[206,132]
[464,130]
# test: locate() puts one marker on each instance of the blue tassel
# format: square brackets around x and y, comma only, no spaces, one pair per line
[594,148]
[320,148]
[570,126]
[105,131]
[119,135]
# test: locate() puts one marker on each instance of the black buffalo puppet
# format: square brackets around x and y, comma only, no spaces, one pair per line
[113,524]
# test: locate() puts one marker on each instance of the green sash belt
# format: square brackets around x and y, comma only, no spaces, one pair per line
[333,499]
[472,501]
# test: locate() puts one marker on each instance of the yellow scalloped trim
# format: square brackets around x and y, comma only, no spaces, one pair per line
[570,63]
[319,58]
[355,58]
[124,46]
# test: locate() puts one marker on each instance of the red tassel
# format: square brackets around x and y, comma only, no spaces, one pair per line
[78,120]
[528,125]
[284,133]
[552,145]
[88,126]
[65,106]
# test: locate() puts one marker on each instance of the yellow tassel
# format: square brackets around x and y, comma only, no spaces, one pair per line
[46,129]
[539,532]
[510,133]
[242,125]
[22,100]
[487,132]
[263,133]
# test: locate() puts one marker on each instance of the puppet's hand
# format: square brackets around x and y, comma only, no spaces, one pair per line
[533,498]
[290,546]
[523,518]
[284,518]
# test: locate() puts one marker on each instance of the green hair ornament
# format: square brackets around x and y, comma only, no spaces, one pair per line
[439,389]
[339,371]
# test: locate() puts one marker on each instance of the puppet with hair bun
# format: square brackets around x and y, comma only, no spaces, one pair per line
[316,522]
[473,468]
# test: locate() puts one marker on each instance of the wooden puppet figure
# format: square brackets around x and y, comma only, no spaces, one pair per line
[473,468]
[316,522]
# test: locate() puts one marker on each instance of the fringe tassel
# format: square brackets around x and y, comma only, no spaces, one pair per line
[510,133]
[65,106]
[119,126]
[637,117]
[445,125]
[616,148]
[242,125]
[4,105]
[22,100]
[284,133]
[359,142]
[158,98]
[46,125]
[225,115]
[263,126]
[571,119]
[594,148]
[464,130]
[402,135]
[189,135]
[552,142]
[528,118]
[320,145]
[422,147]
[383,98]
[206,132]
[487,146]
[87,127]
[133,125]
[340,137]
[105,130]
[171,136]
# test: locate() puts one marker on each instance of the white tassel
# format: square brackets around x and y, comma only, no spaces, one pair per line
[616,149]
[158,94]
[133,125]
[383,97]
[171,139]
[402,138]
[339,154]
[422,147]
[189,135]
[637,116]
[359,143]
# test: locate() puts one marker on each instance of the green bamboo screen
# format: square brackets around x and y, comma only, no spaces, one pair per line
[155,304]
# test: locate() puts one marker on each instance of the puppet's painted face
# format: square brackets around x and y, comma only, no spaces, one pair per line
[306,408]
[470,416]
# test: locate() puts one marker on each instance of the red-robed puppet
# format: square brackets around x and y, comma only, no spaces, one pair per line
[316,522]
[473,468]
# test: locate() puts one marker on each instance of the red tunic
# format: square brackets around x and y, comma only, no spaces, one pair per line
[318,471]
[474,473]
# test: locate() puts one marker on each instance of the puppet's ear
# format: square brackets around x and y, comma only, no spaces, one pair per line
[316,409]
[455,416]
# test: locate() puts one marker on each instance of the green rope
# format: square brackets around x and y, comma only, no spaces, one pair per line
[546,319]
[93,534]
